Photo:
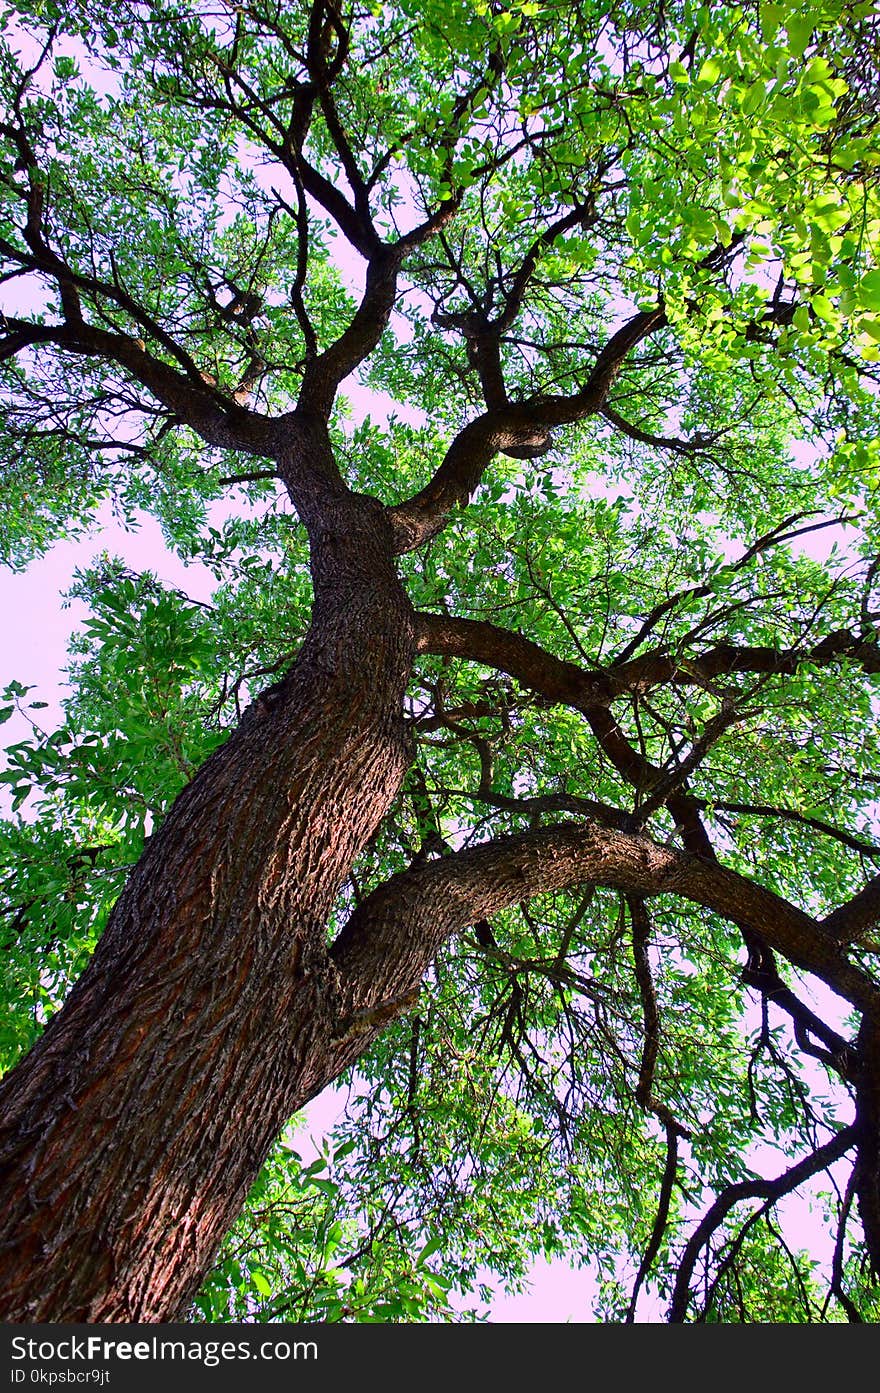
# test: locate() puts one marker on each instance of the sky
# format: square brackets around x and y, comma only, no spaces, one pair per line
[35,627]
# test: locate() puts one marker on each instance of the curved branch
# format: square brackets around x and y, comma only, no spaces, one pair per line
[394,935]
[726,659]
[482,333]
[534,667]
[219,421]
[565,682]
[771,1190]
[692,446]
[421,517]
[660,1219]
[836,1287]
[522,430]
[592,692]
[849,921]
[641,931]
[783,532]
[867,1173]
[324,373]
[553,411]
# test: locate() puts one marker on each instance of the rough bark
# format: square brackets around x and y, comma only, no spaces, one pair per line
[131,1133]
[395,933]
[214,1006]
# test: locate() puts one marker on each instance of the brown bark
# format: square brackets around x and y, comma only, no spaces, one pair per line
[394,935]
[214,1008]
[131,1133]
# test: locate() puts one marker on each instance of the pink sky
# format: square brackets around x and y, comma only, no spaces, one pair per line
[34,633]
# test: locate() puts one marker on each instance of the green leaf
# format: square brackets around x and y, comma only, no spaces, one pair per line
[709,73]
[434,1245]
[800,30]
[869,290]
[508,396]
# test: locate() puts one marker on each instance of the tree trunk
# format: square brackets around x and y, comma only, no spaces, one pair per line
[209,1014]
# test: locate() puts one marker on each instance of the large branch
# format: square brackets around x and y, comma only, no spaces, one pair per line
[73,284]
[565,682]
[421,517]
[725,659]
[861,913]
[477,641]
[217,419]
[523,430]
[325,371]
[280,121]
[324,64]
[393,936]
[593,692]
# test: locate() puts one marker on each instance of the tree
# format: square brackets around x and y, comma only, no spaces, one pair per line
[556,816]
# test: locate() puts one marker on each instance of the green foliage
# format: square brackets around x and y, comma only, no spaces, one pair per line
[303,1251]
[718,160]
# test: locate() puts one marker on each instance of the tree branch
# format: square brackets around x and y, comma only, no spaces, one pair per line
[852,919]
[218,420]
[558,680]
[393,936]
[773,1190]
[522,430]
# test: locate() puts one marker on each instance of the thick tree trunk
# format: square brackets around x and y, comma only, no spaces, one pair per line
[215,1007]
[209,1014]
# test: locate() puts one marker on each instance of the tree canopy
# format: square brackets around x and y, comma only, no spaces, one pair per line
[511,365]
